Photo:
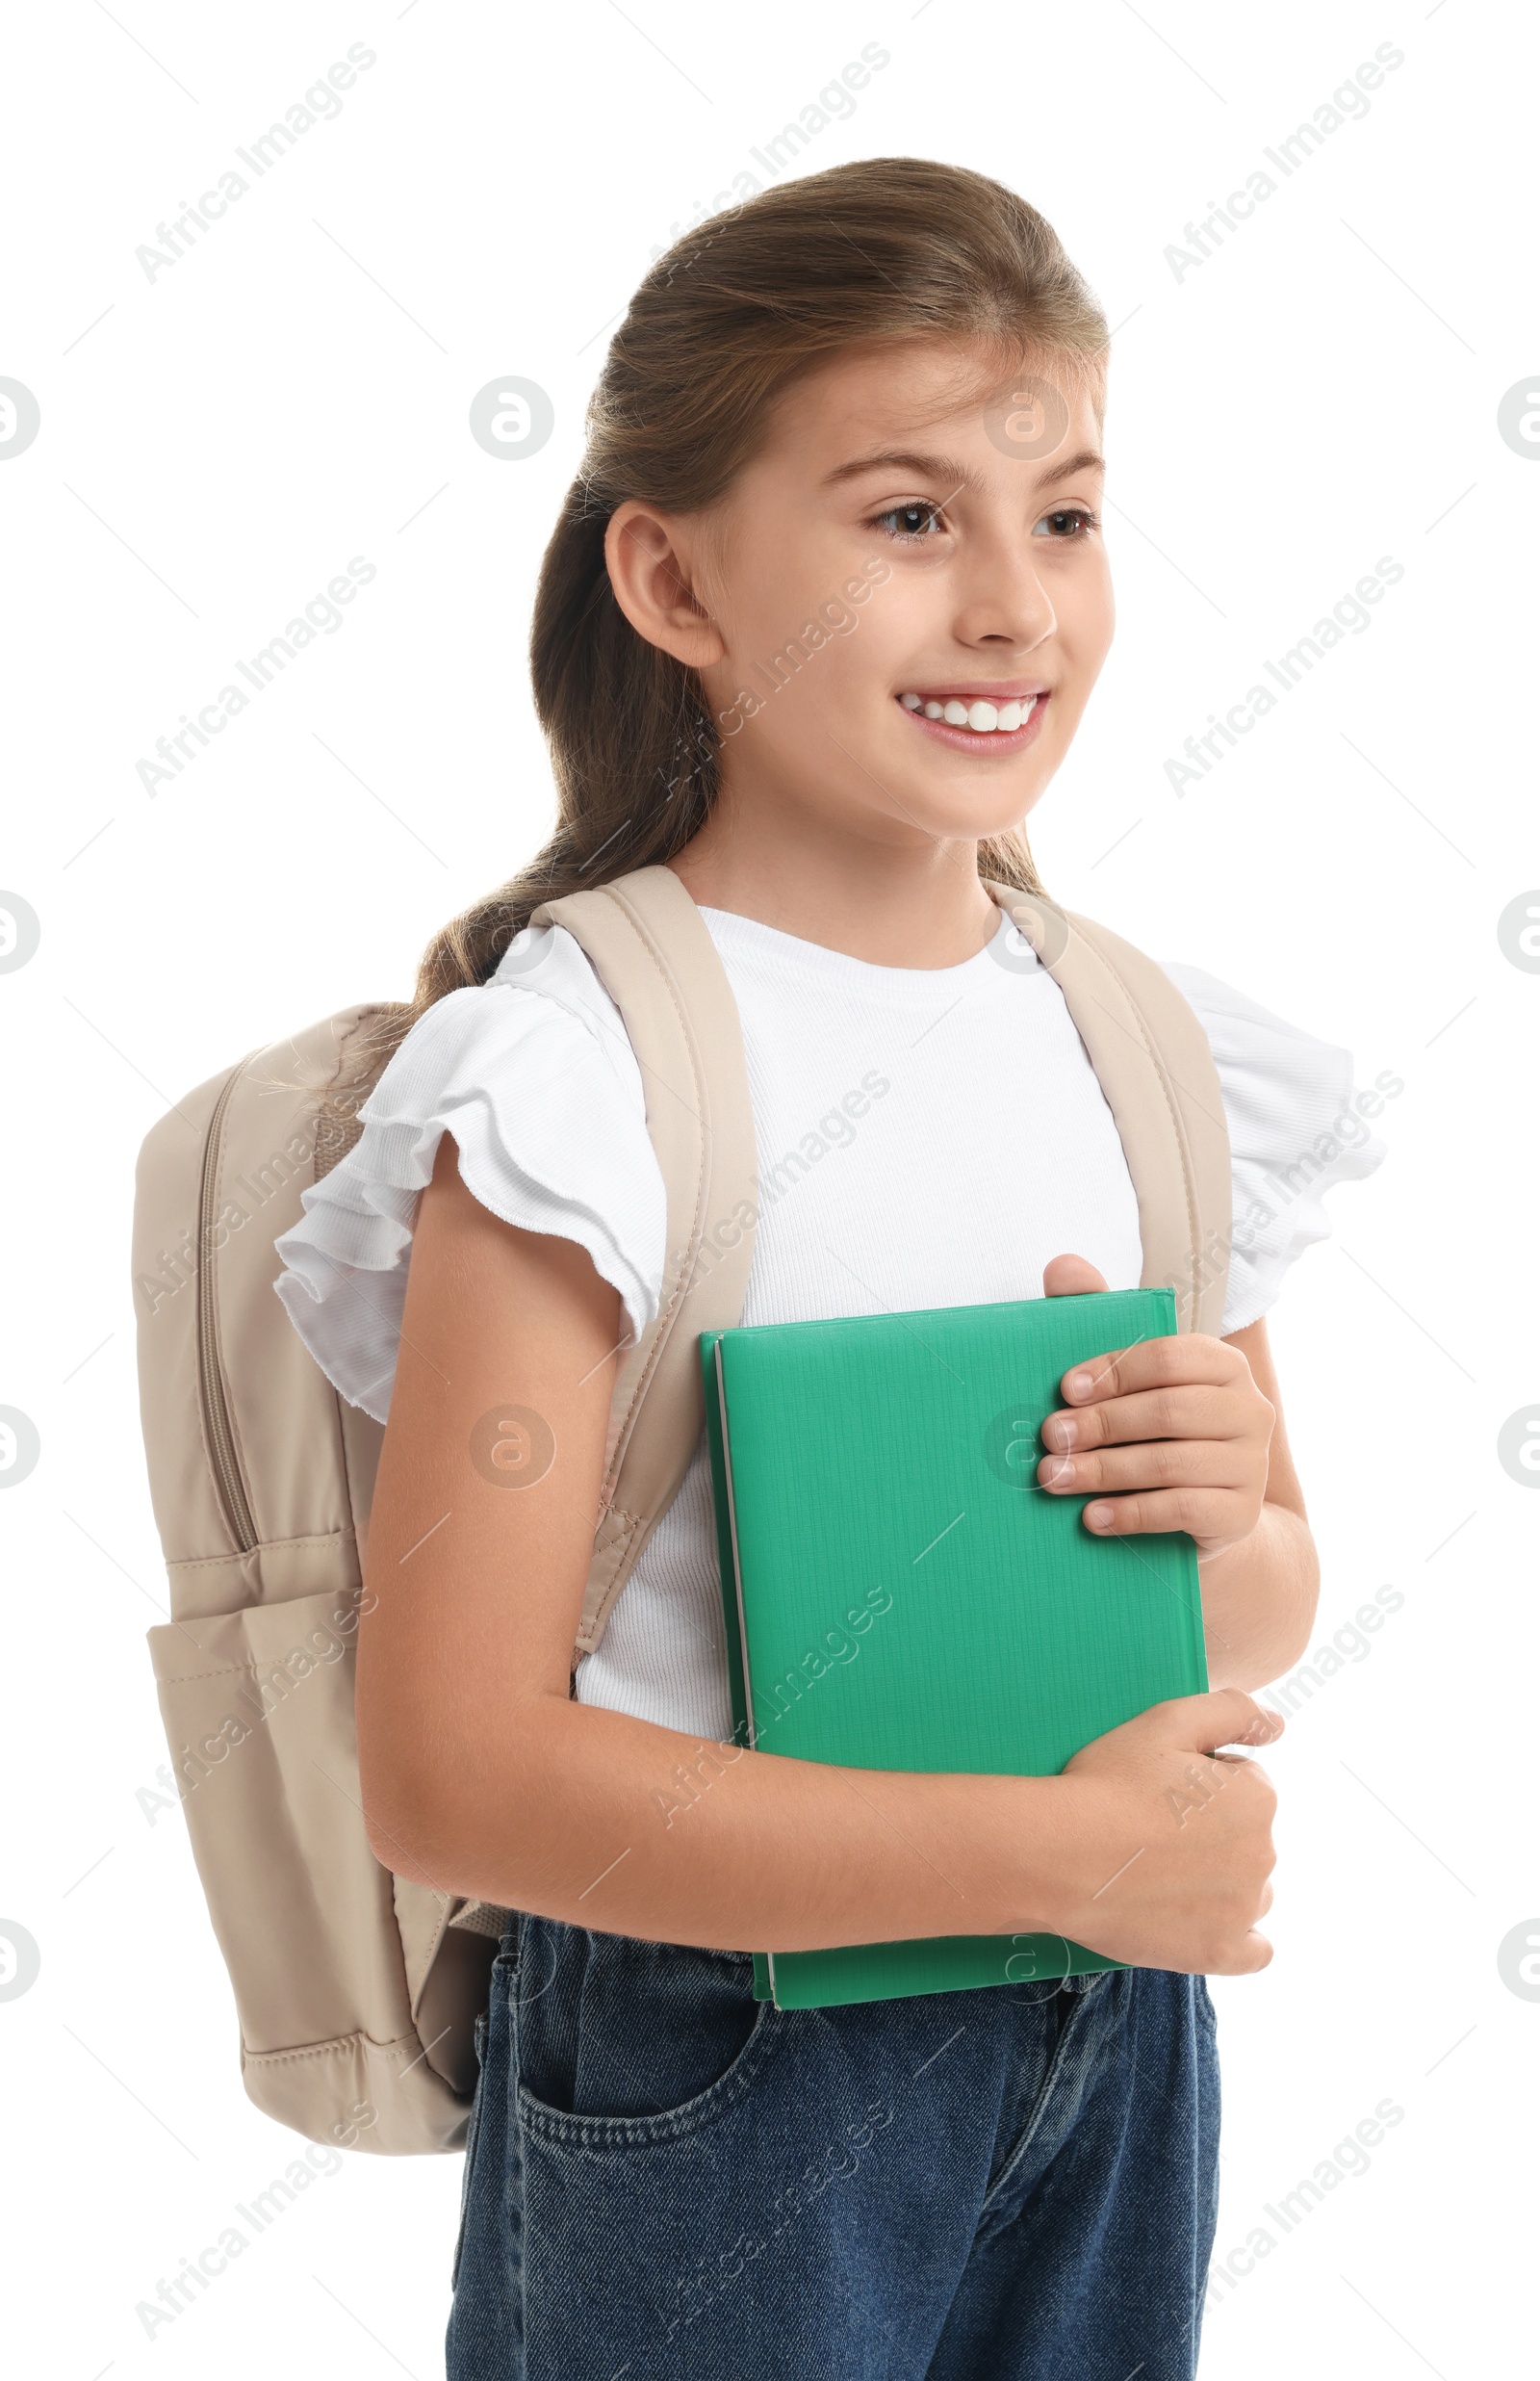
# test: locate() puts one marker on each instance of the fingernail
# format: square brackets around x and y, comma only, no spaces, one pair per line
[1099,1517]
[1079,1385]
[1059,1431]
[1059,1475]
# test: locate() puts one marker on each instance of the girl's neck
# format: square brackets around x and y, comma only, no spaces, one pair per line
[915,904]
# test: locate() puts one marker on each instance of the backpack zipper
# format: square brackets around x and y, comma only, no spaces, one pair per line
[218,1436]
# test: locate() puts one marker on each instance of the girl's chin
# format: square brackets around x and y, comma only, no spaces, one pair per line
[957,824]
[968,809]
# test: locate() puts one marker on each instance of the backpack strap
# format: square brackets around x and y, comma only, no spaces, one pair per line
[1152,1059]
[653,952]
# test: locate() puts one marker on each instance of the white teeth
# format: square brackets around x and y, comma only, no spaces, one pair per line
[983,718]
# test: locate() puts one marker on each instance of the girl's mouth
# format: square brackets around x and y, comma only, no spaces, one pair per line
[996,718]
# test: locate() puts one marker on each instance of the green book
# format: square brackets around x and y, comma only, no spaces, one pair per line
[899,1593]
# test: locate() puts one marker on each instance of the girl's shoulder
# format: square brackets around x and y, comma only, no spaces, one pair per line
[1299,1125]
[535,1077]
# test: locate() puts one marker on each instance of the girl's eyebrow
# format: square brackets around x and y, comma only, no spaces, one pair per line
[903,459]
[1087,459]
[942,467]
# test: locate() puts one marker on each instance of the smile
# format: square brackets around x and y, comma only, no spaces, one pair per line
[966,716]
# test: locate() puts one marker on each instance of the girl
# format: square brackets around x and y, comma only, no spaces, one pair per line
[869,405]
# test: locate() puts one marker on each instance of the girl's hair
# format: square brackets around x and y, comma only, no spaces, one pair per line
[889,248]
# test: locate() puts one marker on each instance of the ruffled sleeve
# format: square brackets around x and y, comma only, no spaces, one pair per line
[536,1078]
[1297,1127]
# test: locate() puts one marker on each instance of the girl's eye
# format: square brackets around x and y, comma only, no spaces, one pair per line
[913,522]
[1068,526]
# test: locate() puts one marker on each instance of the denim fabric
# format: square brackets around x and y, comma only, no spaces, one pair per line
[665,2176]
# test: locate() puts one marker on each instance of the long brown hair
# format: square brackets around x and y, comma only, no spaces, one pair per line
[887,248]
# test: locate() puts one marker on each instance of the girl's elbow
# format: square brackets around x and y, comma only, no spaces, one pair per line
[447,1813]
[413,1804]
[407,1831]
[458,1787]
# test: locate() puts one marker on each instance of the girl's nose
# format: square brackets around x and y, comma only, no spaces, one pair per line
[1004,601]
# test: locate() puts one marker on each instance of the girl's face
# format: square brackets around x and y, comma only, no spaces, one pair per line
[909,595]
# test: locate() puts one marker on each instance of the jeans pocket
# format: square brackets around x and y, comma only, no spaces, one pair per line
[620,2043]
[486,2082]
[1055,2040]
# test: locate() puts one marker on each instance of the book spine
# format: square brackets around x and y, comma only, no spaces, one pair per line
[733,1534]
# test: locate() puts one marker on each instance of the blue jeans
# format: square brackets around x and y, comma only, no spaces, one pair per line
[667,2178]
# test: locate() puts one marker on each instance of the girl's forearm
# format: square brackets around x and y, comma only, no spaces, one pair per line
[612,1822]
[1259,1600]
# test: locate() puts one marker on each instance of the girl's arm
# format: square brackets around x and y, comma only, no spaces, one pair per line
[1260,1594]
[481,1775]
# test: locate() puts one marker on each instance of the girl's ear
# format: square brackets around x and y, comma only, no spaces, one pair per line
[652,576]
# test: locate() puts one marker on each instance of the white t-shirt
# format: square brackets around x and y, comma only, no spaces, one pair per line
[926,1137]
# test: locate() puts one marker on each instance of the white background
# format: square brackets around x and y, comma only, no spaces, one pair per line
[216,444]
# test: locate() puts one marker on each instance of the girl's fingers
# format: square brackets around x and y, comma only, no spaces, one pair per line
[1198,1409]
[1149,1364]
[1071,1277]
[1148,1463]
[1204,1722]
[1208,1514]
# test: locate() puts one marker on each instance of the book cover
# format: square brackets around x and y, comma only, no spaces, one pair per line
[899,1593]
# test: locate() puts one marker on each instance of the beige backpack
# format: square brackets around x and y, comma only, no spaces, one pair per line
[357,1991]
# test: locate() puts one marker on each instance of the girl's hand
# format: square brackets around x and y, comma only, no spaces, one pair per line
[1171,1433]
[1182,1833]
